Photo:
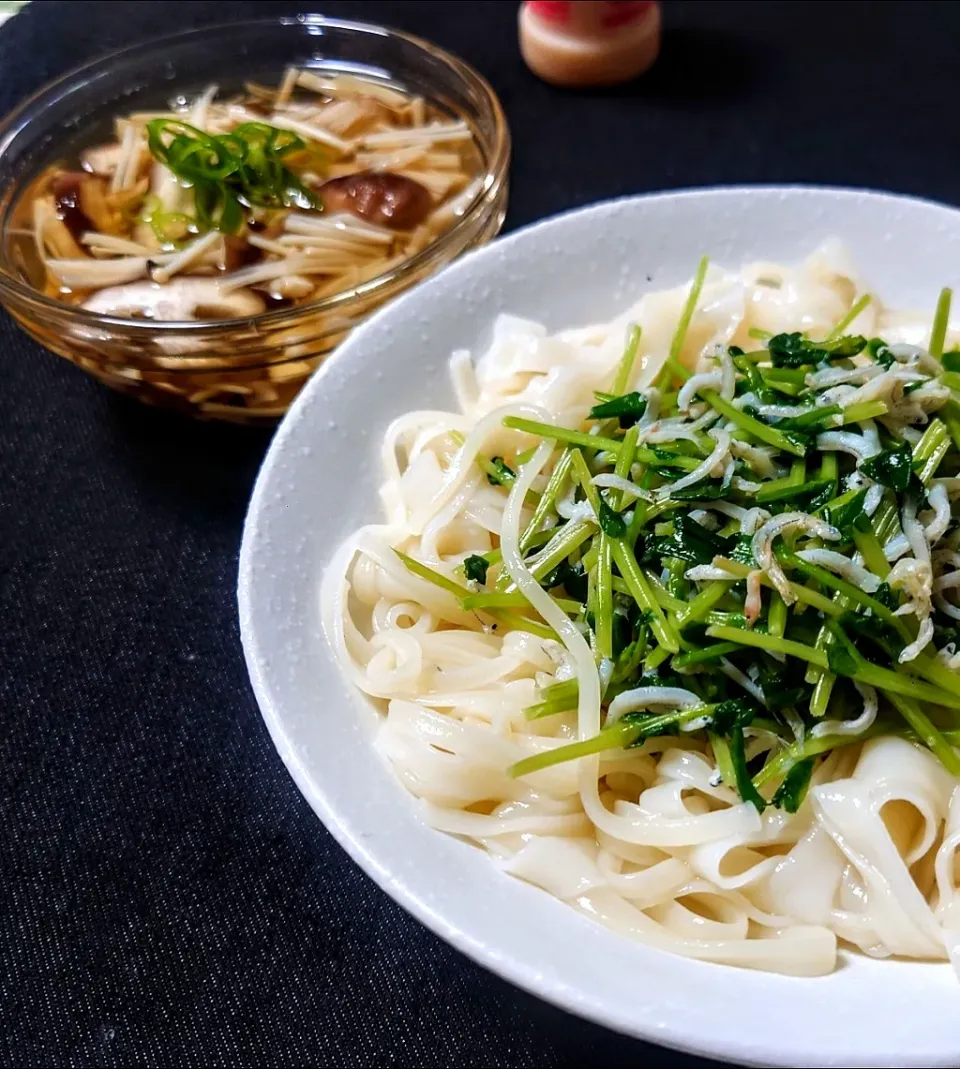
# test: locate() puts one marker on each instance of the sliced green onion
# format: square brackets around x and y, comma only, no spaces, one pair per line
[226,171]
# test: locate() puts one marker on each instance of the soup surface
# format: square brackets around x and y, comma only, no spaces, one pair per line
[225,207]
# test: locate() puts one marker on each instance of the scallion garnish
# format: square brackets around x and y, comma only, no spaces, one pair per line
[231,172]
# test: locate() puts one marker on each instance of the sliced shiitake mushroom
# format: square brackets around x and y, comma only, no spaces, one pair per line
[82,204]
[66,197]
[238,252]
[179,299]
[383,198]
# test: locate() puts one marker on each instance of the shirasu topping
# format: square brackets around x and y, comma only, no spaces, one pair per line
[761,546]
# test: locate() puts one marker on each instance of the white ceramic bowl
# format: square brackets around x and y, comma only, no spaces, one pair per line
[319,482]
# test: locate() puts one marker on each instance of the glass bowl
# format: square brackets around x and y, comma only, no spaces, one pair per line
[243,370]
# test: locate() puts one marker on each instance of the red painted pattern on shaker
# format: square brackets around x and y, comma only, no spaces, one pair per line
[551,10]
[622,12]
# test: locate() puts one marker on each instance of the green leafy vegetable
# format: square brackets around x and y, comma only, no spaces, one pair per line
[806,492]
[571,576]
[843,512]
[842,661]
[892,467]
[742,551]
[795,350]
[782,687]
[611,522]
[729,719]
[792,791]
[878,349]
[499,473]
[475,568]
[623,573]
[689,542]
[734,712]
[627,409]
[792,350]
[708,490]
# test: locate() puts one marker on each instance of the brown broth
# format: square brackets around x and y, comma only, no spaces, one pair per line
[399,172]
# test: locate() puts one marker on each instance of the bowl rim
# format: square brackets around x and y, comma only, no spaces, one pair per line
[18,121]
[343,826]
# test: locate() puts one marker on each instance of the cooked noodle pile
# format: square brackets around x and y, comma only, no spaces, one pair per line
[736,739]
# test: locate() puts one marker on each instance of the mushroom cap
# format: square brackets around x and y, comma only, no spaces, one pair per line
[180,299]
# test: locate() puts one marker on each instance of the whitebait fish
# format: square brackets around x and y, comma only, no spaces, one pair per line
[676,679]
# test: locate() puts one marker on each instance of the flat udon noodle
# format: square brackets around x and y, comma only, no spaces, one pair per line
[642,840]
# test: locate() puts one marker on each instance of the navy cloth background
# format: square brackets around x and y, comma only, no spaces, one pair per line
[166,896]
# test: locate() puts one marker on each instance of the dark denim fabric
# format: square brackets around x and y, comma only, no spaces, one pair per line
[166,897]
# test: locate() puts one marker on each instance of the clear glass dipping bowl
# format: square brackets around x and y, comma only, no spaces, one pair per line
[243,370]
